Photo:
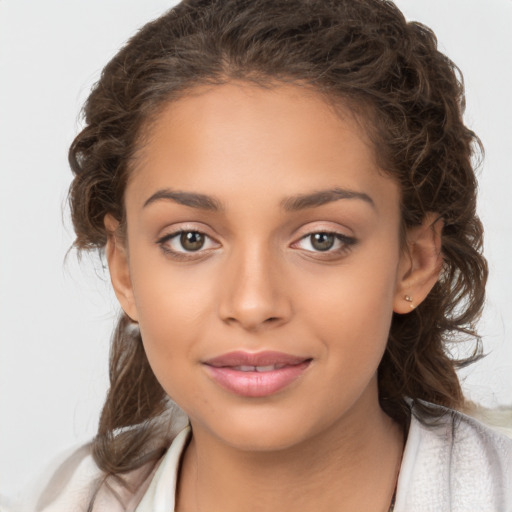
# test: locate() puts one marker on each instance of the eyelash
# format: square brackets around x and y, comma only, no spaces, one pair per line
[345,244]
[185,254]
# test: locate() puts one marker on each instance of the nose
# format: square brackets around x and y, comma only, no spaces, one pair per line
[254,292]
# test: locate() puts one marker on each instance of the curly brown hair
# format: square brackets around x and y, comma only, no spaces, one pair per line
[360,53]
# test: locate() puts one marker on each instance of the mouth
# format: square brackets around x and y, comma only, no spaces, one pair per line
[262,369]
[256,374]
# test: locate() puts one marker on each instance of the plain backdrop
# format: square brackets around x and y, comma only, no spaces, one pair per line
[56,316]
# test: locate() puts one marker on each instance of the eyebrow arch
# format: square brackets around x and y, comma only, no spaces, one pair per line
[303,201]
[294,203]
[192,199]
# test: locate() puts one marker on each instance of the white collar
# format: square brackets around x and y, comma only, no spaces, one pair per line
[160,495]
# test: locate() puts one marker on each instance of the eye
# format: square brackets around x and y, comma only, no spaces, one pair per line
[192,240]
[185,242]
[324,241]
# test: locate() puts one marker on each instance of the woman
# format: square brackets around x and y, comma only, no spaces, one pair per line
[285,197]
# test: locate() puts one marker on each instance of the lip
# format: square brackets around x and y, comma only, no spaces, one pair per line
[230,371]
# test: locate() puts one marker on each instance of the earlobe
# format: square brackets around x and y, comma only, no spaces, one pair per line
[420,264]
[119,268]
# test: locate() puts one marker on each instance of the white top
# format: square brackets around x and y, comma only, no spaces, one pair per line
[459,465]
[455,465]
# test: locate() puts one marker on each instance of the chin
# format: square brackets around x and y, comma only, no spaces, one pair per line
[262,440]
[264,429]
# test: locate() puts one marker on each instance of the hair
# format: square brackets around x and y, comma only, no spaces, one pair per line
[360,54]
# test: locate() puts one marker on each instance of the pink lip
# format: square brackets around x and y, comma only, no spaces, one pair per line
[225,371]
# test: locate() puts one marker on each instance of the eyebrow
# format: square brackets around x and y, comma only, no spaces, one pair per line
[304,201]
[293,203]
[192,199]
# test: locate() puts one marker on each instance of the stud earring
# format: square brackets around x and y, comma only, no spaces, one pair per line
[408,298]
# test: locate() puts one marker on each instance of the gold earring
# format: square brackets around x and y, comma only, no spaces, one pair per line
[408,298]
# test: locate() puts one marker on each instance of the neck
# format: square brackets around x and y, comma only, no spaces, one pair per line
[351,466]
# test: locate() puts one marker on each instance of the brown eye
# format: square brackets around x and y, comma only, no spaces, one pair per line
[187,244]
[332,244]
[192,240]
[323,241]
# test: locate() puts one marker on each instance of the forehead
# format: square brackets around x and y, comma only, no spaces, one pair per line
[241,137]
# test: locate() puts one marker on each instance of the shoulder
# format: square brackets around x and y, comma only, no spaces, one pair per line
[455,463]
[74,480]
[72,474]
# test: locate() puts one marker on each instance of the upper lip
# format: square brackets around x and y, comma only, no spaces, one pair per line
[267,358]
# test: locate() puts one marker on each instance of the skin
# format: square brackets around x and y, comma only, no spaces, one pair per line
[259,283]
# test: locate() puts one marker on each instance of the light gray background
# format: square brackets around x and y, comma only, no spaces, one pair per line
[56,316]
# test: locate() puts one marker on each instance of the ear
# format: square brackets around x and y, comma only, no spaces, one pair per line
[118,264]
[420,264]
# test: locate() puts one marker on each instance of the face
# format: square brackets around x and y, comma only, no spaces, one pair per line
[262,263]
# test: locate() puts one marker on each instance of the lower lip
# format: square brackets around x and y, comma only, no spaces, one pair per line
[256,384]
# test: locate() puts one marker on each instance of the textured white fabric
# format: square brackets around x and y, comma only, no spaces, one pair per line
[454,465]
[160,495]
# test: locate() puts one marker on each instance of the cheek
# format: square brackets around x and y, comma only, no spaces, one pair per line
[173,306]
[169,297]
[350,309]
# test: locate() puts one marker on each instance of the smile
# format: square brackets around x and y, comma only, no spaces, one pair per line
[268,368]
[256,375]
